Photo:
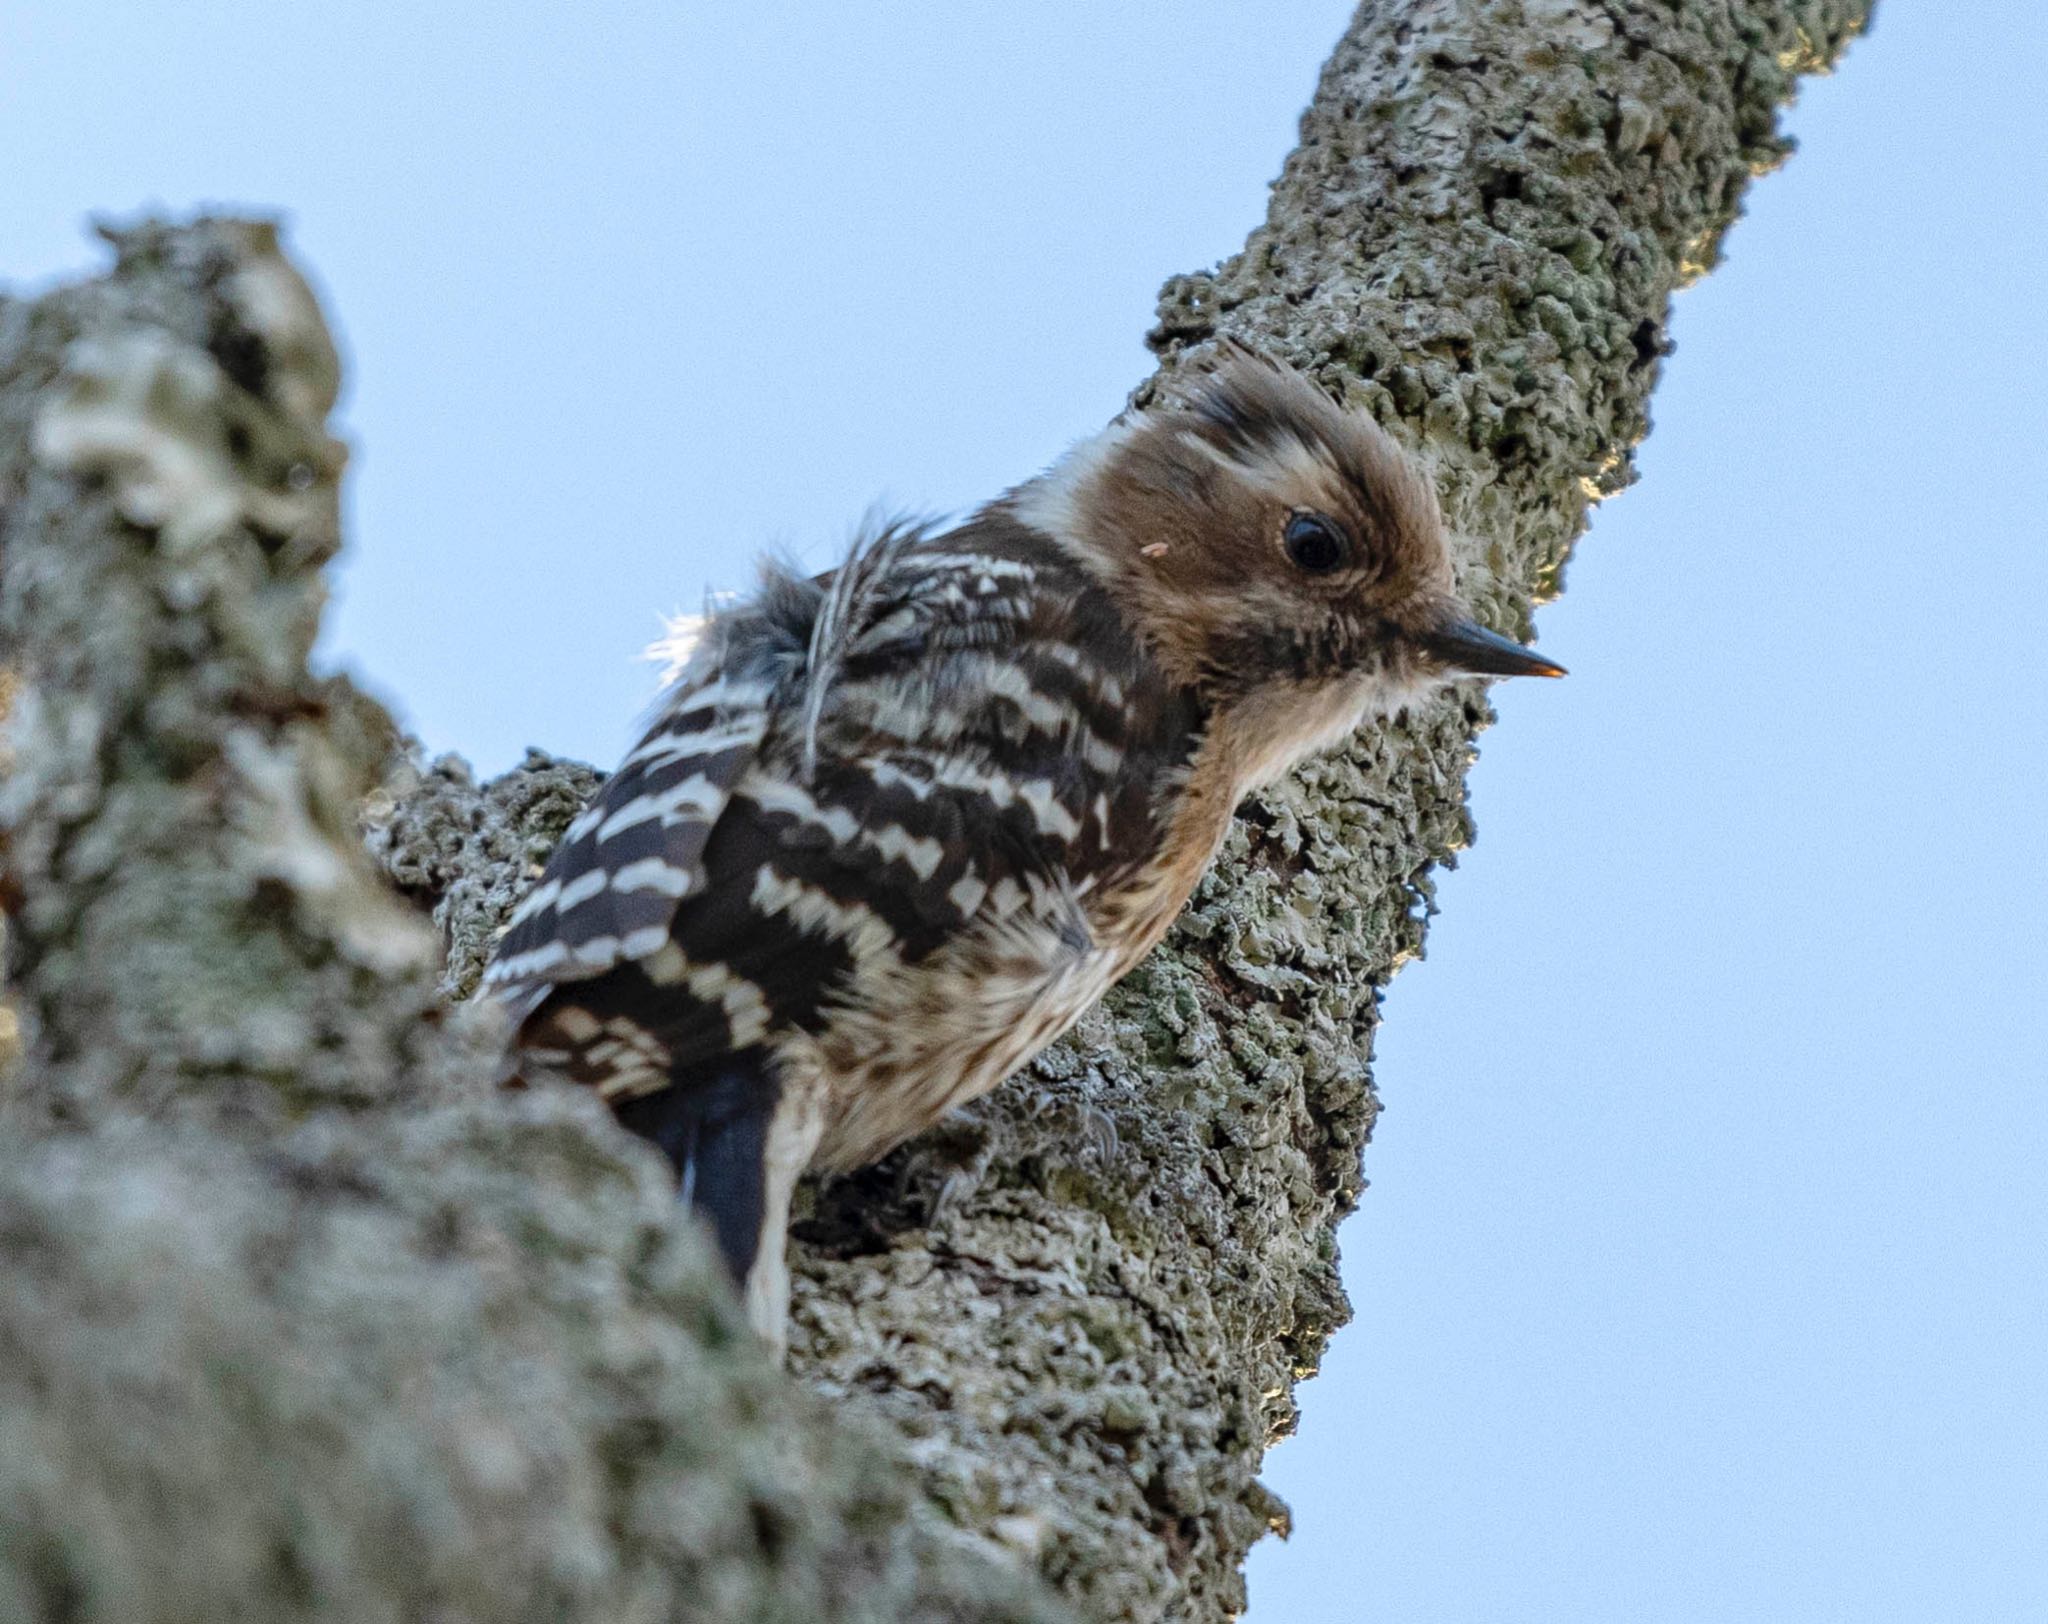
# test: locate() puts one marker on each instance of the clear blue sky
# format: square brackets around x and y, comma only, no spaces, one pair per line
[1703,1274]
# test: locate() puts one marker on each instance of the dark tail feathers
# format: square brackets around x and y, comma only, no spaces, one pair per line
[713,1124]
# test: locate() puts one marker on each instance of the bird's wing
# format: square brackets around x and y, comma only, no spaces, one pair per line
[869,817]
[601,918]
[965,744]
[610,891]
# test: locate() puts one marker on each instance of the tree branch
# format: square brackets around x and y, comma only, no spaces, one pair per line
[301,1318]
[353,1305]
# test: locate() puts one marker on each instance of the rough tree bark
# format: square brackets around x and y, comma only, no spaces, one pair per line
[301,1320]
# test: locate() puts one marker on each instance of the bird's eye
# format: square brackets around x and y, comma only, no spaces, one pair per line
[1315,543]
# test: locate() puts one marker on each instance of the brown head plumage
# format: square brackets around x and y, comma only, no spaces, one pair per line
[1278,553]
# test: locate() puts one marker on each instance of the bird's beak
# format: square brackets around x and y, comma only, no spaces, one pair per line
[1467,648]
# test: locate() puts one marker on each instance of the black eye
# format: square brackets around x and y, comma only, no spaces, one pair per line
[1315,543]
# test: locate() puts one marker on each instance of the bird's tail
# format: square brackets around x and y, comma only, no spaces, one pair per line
[717,1125]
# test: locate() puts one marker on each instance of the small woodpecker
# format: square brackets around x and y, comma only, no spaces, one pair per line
[895,827]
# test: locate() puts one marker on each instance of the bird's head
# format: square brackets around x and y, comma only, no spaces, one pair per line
[1279,554]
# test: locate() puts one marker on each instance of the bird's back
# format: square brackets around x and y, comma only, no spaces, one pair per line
[865,846]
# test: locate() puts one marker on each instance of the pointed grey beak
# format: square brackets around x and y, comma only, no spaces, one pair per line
[1468,648]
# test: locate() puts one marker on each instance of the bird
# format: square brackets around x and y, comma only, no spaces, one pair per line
[894,827]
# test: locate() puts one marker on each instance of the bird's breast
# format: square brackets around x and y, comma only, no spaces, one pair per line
[908,1043]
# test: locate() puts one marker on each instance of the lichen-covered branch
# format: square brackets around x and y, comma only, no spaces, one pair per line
[302,1319]
[194,923]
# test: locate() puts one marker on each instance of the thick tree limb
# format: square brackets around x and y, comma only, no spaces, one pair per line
[301,1320]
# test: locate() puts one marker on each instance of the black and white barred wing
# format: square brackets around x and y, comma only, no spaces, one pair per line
[610,892]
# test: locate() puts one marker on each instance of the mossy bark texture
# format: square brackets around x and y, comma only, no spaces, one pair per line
[300,1319]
